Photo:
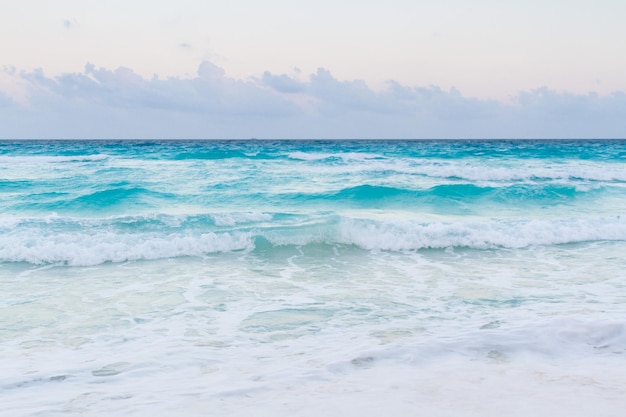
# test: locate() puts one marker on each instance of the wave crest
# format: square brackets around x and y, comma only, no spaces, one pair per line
[80,249]
[91,242]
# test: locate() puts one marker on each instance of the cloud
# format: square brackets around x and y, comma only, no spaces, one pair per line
[210,93]
[282,83]
[70,23]
[338,97]
[5,100]
[564,114]
[119,103]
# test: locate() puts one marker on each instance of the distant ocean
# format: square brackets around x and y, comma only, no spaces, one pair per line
[313,278]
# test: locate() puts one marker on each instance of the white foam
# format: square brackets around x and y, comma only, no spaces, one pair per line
[344,156]
[309,156]
[83,249]
[563,337]
[479,234]
[50,240]
[231,219]
[527,170]
[355,333]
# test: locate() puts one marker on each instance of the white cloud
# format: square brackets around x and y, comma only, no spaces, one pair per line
[119,103]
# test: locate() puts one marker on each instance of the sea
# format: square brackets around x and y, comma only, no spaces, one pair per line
[313,278]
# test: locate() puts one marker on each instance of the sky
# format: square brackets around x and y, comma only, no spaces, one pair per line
[303,69]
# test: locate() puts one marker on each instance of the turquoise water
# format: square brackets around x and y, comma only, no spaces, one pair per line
[312,277]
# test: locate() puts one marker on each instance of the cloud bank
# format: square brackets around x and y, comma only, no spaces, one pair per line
[104,103]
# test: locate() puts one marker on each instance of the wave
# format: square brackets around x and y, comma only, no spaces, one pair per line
[98,201]
[15,185]
[154,222]
[218,154]
[570,172]
[459,191]
[116,195]
[562,337]
[123,195]
[366,160]
[477,170]
[38,159]
[344,157]
[370,192]
[82,249]
[378,196]
[493,234]
[77,241]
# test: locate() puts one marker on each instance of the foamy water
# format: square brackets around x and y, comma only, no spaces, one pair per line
[313,278]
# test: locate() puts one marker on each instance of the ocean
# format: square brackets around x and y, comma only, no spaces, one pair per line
[308,278]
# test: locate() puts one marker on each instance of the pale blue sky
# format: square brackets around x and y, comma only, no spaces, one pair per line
[490,53]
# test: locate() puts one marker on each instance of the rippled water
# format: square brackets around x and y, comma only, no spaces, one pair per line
[303,278]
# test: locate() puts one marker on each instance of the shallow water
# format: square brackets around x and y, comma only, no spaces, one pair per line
[308,278]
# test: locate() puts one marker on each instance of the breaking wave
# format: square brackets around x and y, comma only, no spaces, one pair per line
[72,241]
